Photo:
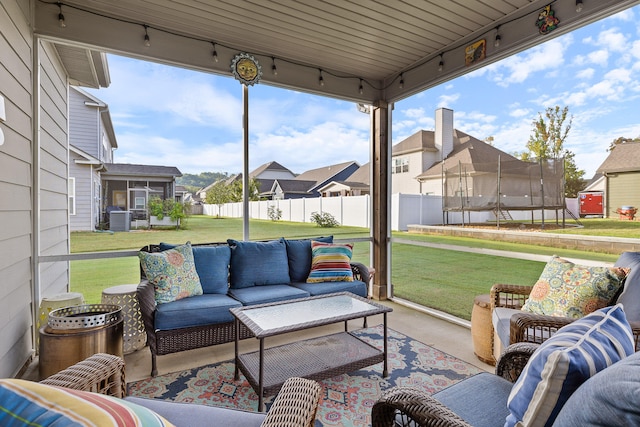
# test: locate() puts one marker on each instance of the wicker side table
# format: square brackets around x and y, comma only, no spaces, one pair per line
[134,335]
[482,329]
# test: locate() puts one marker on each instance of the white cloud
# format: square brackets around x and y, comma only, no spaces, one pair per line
[447,101]
[414,112]
[519,112]
[585,74]
[598,57]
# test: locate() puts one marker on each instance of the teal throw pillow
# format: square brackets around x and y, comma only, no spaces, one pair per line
[172,273]
[565,361]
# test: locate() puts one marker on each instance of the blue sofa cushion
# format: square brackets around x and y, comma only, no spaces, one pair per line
[207,309]
[630,296]
[299,256]
[266,293]
[565,361]
[356,287]
[480,400]
[182,414]
[258,263]
[212,265]
[609,398]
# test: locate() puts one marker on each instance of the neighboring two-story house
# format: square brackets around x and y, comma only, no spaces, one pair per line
[309,183]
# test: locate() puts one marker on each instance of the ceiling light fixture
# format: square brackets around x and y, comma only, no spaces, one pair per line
[320,79]
[496,41]
[440,64]
[274,69]
[401,84]
[579,6]
[61,17]
[361,88]
[147,40]
[215,52]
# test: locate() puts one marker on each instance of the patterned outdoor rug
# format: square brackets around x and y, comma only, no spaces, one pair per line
[347,398]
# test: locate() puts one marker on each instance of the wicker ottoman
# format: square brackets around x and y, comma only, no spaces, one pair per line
[482,329]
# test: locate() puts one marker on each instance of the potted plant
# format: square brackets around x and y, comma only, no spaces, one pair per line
[165,212]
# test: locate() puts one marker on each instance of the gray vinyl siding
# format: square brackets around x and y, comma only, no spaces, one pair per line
[15,185]
[53,215]
[82,220]
[623,189]
[84,129]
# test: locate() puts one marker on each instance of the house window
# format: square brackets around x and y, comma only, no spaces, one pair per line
[139,203]
[400,165]
[72,195]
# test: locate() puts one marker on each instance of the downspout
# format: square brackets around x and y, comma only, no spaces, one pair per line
[35,186]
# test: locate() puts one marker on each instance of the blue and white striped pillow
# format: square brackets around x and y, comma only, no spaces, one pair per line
[565,361]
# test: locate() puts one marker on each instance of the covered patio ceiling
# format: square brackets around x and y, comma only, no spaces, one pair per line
[365,50]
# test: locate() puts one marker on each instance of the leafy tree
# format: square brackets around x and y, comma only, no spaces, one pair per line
[219,194]
[236,190]
[547,142]
[194,182]
[621,140]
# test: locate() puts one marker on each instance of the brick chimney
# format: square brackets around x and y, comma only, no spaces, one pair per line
[444,131]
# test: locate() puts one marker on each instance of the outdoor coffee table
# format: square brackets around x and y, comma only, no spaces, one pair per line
[315,358]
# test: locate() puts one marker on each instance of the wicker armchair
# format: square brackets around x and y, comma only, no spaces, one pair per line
[408,406]
[295,405]
[530,327]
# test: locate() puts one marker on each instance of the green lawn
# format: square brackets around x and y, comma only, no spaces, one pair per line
[442,279]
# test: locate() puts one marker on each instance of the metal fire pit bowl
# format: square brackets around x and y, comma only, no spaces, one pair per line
[85,316]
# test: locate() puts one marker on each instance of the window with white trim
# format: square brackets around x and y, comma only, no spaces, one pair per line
[72,195]
[400,165]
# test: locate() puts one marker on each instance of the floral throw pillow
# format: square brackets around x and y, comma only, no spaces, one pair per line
[566,289]
[172,273]
[330,262]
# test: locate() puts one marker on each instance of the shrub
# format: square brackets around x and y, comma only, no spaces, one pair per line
[274,213]
[324,219]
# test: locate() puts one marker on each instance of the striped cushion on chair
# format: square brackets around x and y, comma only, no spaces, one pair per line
[330,262]
[565,361]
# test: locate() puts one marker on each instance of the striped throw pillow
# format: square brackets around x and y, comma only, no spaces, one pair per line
[330,262]
[566,360]
[34,404]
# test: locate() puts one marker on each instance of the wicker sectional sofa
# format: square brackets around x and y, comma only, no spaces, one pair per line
[233,274]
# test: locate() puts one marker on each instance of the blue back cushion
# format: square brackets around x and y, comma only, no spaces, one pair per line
[630,296]
[212,265]
[258,263]
[299,255]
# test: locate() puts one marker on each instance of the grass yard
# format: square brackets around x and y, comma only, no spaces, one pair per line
[437,278]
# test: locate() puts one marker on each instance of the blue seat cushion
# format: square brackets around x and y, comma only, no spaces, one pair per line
[480,400]
[299,256]
[212,266]
[609,398]
[267,293]
[258,263]
[198,310]
[630,296]
[356,287]
[181,414]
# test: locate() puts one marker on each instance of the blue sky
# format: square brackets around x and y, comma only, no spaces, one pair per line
[165,115]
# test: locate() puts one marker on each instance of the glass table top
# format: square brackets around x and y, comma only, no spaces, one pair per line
[288,315]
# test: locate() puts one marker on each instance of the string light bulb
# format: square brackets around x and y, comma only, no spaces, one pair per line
[496,41]
[147,40]
[274,69]
[401,84]
[361,88]
[440,64]
[61,17]
[321,79]
[214,53]
[579,6]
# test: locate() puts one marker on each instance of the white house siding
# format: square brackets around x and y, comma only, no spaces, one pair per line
[85,131]
[15,186]
[405,182]
[85,176]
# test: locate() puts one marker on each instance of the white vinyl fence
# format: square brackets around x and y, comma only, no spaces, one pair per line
[356,211]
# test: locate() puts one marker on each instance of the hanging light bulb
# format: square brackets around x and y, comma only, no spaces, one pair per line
[496,41]
[274,69]
[321,79]
[61,17]
[401,84]
[147,40]
[440,64]
[361,88]
[214,53]
[579,6]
